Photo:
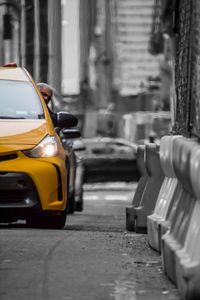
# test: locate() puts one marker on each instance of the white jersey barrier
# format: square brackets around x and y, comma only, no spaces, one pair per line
[130,219]
[152,188]
[172,213]
[180,244]
[165,197]
[138,214]
[188,256]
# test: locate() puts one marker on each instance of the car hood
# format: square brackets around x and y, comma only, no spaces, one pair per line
[15,133]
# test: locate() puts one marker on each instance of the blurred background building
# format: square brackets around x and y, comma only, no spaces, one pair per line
[10,33]
[97,54]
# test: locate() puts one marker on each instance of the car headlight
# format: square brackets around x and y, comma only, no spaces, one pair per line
[48,147]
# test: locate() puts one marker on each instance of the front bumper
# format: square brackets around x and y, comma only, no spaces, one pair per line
[18,196]
[32,184]
[17,190]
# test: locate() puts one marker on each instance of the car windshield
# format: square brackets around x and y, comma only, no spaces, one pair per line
[114,149]
[19,100]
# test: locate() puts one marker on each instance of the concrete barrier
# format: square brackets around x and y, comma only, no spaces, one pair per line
[165,224]
[174,224]
[144,175]
[130,219]
[173,240]
[151,190]
[165,196]
[188,257]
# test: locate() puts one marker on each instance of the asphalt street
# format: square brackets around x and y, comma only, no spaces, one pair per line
[93,257]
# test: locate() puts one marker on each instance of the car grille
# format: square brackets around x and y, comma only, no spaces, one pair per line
[17,189]
[8,196]
[8,157]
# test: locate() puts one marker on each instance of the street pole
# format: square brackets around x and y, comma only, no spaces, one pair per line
[36,62]
[54,34]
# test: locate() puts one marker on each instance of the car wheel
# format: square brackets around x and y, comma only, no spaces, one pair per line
[79,203]
[55,221]
[130,219]
[79,206]
[48,221]
[71,205]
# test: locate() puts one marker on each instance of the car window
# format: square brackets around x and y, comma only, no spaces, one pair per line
[103,150]
[110,148]
[19,100]
[96,148]
[121,148]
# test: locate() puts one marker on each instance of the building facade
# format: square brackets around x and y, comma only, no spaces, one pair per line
[10,31]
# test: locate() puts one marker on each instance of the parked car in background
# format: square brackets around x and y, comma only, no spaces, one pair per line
[33,172]
[79,148]
[110,159]
[73,146]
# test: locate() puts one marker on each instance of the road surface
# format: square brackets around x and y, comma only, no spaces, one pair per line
[93,257]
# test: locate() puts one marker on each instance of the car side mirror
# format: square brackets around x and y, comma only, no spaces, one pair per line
[65,119]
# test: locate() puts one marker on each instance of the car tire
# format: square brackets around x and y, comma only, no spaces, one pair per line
[48,221]
[79,203]
[71,205]
[79,206]
[56,221]
[130,219]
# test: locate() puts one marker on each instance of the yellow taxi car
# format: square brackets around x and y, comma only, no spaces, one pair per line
[33,164]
